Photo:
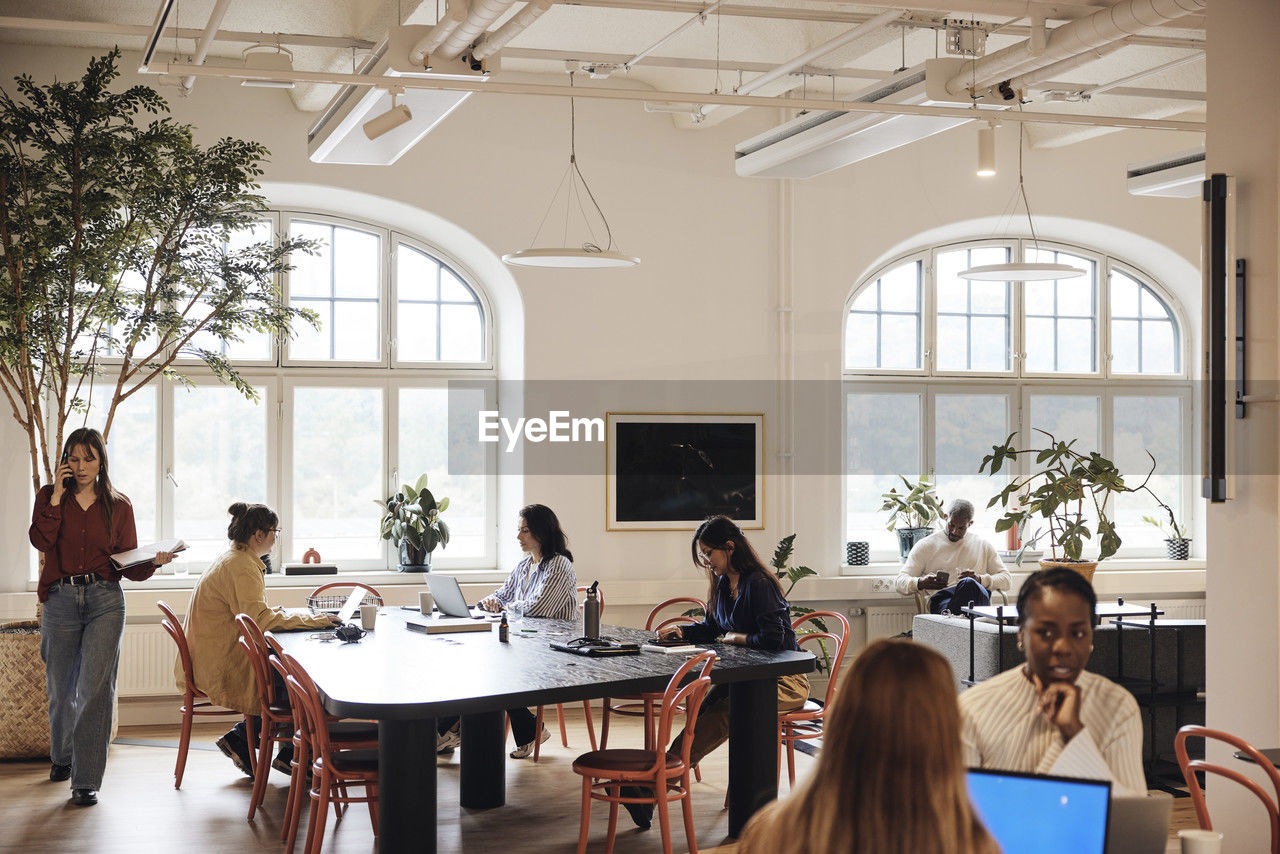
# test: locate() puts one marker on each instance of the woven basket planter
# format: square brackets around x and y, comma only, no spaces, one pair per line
[24,710]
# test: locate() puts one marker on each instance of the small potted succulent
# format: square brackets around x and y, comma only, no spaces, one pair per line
[1176,543]
[913,512]
[411,520]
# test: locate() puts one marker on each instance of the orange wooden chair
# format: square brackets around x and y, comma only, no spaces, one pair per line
[334,770]
[1190,766]
[605,772]
[806,722]
[586,707]
[277,716]
[194,701]
[644,705]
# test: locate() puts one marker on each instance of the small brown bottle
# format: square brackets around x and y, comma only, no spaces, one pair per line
[504,631]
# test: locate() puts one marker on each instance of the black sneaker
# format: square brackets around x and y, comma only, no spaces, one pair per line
[58,773]
[238,752]
[641,814]
[84,797]
[284,759]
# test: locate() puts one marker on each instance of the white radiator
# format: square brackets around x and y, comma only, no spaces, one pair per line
[147,656]
[888,620]
[1183,609]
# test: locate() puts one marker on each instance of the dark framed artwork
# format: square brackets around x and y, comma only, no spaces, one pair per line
[669,471]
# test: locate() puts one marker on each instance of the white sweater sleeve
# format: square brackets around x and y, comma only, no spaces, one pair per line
[994,575]
[907,581]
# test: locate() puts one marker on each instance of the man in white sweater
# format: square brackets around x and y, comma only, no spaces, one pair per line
[971,562]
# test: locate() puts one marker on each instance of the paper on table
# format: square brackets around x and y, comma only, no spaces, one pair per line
[143,554]
[683,649]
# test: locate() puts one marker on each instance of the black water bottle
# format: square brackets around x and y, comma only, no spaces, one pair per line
[591,614]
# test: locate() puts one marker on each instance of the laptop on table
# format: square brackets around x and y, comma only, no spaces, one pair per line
[450,601]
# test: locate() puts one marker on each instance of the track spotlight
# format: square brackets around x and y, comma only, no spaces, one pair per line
[987,151]
[390,120]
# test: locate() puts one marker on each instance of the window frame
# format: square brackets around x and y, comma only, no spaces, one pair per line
[1105,384]
[923,327]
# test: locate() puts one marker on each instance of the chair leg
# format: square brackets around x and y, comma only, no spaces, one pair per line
[184,742]
[614,792]
[791,762]
[297,792]
[371,790]
[251,738]
[586,815]
[309,846]
[690,835]
[664,814]
[604,724]
[537,735]
[591,727]
[321,807]
[264,763]
[564,734]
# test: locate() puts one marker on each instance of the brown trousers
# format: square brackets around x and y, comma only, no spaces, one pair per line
[712,728]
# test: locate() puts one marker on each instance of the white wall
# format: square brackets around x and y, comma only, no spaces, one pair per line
[720,254]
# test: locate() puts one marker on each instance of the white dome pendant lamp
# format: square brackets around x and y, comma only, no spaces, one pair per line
[1022,271]
[588,254]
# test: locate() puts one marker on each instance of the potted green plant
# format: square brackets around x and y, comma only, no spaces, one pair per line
[913,513]
[411,520]
[1065,484]
[1177,544]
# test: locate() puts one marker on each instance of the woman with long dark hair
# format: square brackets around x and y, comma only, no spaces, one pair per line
[878,785]
[234,585]
[745,607]
[79,521]
[543,584]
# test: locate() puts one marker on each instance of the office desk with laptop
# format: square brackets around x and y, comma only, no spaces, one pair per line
[405,679]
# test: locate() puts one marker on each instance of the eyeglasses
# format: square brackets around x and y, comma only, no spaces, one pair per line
[704,558]
[277,530]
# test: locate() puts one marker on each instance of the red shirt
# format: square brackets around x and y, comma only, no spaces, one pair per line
[75,541]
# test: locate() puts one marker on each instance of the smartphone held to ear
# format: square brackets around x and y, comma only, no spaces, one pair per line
[68,483]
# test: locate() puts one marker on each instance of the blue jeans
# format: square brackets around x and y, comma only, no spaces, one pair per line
[80,636]
[965,593]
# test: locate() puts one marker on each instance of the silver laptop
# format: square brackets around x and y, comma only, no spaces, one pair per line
[449,599]
[352,606]
[1139,823]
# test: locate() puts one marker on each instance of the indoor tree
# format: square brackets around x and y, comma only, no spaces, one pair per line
[115,251]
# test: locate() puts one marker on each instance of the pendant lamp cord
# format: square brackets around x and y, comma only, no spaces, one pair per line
[1023,190]
[573,162]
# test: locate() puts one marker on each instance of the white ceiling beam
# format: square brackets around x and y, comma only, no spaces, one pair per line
[206,40]
[1016,9]
[499,87]
[54,25]
[593,58]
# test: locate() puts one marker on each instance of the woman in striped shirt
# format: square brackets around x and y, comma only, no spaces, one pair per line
[542,585]
[1051,716]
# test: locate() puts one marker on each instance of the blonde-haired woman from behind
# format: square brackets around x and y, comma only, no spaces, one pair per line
[890,779]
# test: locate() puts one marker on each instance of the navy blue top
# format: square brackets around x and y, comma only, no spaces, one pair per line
[759,612]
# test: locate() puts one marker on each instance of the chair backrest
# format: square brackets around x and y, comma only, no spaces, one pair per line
[312,706]
[691,601]
[687,697]
[320,599]
[272,644]
[825,622]
[599,595]
[173,627]
[1190,766]
[255,648]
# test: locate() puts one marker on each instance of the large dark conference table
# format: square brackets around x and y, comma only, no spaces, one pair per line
[405,679]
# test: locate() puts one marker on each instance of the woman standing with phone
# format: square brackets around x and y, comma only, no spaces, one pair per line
[78,523]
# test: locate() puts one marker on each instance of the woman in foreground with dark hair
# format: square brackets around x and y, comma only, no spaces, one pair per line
[1051,716]
[745,607]
[234,585]
[79,521]
[879,786]
[543,584]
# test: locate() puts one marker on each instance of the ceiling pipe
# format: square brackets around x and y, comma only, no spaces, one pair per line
[1112,24]
[699,16]
[1071,63]
[878,22]
[1168,66]
[642,95]
[455,13]
[480,15]
[153,40]
[206,40]
[491,43]
[53,25]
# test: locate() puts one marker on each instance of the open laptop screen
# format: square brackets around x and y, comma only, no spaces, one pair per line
[1035,814]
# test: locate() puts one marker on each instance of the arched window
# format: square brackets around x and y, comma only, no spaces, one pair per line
[1096,359]
[342,414]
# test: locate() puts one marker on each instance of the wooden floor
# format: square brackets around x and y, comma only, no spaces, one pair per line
[141,813]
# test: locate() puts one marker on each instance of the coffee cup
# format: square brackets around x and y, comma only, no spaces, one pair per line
[425,603]
[368,616]
[1200,841]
